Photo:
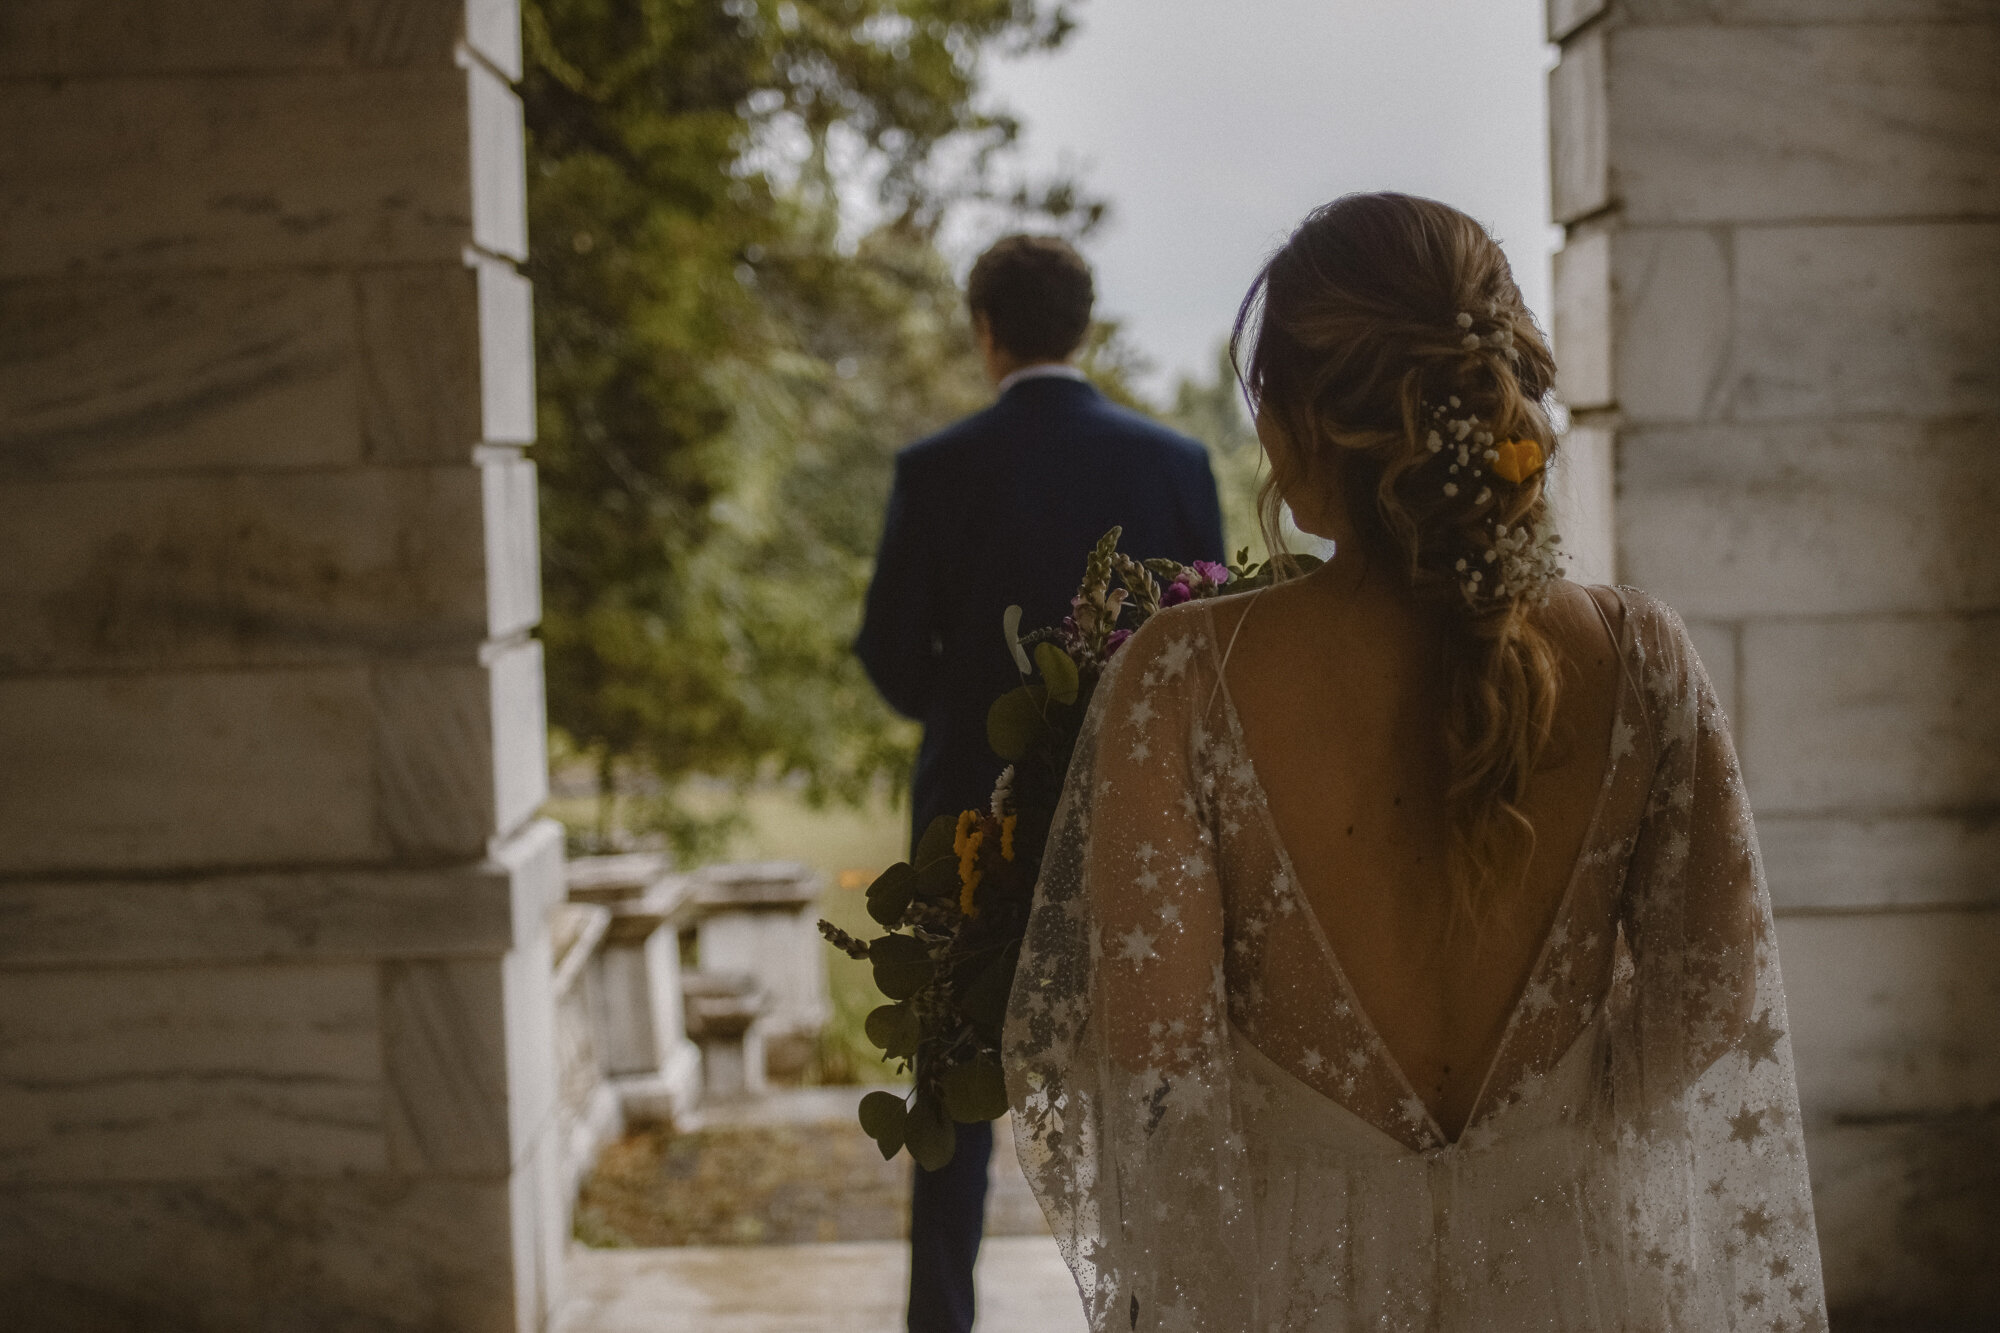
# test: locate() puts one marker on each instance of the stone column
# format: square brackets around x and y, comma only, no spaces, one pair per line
[274,1016]
[1776,310]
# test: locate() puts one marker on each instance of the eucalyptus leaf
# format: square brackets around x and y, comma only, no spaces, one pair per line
[938,880]
[929,1134]
[889,896]
[895,1028]
[883,1119]
[1015,721]
[1058,672]
[935,845]
[974,1091]
[902,965]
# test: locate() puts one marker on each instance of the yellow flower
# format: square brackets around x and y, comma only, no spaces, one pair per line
[1518,459]
[966,841]
[1007,837]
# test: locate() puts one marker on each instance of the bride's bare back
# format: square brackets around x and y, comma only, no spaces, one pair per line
[1339,687]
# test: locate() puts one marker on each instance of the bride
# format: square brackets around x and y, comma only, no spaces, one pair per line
[1402,958]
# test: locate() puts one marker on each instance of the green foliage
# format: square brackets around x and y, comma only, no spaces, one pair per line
[966,897]
[723,377]
[1059,671]
[883,1116]
[1016,719]
[902,965]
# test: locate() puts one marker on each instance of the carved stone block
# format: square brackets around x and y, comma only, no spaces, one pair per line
[1579,161]
[1837,862]
[376,167]
[71,38]
[168,771]
[1715,123]
[389,1253]
[255,568]
[181,1074]
[1833,518]
[1858,715]
[1893,1013]
[1839,321]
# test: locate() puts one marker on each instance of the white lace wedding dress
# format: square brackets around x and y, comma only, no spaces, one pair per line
[1221,1141]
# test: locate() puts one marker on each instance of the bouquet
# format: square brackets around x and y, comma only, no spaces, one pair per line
[955,913]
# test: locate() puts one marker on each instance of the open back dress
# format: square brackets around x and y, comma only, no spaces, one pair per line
[1221,1140]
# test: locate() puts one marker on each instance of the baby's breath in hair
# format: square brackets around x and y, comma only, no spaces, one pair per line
[1388,344]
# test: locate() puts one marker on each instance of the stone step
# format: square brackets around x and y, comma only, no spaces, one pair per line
[853,1287]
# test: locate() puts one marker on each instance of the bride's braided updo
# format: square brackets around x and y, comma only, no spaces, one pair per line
[1387,343]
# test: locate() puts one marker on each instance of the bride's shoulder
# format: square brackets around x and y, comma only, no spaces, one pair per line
[1174,645]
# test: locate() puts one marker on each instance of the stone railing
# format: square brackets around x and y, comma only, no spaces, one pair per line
[673,989]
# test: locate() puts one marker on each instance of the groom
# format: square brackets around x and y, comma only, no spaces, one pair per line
[1002,509]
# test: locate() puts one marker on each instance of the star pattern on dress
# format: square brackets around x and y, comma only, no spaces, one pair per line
[1189,1134]
[1135,946]
[1745,1126]
[1760,1039]
[1755,1223]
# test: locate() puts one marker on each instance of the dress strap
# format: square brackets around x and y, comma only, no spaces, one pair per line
[1223,665]
[1618,649]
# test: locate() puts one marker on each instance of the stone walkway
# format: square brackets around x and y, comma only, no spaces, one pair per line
[847,1287]
[678,1207]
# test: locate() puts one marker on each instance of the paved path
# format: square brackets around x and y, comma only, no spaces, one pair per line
[852,1287]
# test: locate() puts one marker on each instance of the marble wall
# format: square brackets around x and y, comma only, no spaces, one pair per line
[1774,310]
[275,1022]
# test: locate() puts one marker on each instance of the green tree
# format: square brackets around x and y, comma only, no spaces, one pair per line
[722,377]
[1212,411]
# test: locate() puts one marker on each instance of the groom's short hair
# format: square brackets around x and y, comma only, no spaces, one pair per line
[1035,294]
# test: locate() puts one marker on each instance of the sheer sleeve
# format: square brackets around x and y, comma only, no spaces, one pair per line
[1718,1207]
[1116,1048]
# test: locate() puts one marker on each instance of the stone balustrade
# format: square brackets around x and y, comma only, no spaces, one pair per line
[639,1038]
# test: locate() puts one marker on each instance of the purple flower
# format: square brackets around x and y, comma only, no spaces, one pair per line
[1175,594]
[1215,575]
[1116,641]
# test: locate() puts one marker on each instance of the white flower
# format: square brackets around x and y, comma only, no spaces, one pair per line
[1453,400]
[1485,494]
[1470,342]
[1003,792]
[1435,442]
[1464,320]
[1451,488]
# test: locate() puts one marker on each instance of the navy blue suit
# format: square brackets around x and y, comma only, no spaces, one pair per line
[1002,509]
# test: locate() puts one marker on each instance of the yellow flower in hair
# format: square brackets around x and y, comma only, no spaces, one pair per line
[1007,837]
[1517,460]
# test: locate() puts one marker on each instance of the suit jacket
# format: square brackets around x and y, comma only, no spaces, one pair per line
[1000,509]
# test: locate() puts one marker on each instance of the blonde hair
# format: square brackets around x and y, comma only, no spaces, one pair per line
[1356,339]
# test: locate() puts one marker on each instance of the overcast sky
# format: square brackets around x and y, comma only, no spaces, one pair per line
[1213,126]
